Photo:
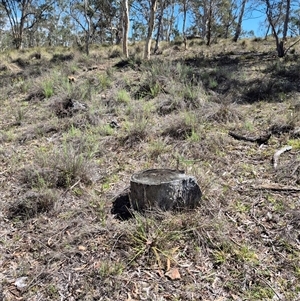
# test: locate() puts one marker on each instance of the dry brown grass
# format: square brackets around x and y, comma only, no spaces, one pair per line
[62,168]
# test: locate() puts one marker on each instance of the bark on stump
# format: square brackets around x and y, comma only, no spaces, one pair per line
[163,189]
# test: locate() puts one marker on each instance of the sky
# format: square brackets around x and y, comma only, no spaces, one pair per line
[255,22]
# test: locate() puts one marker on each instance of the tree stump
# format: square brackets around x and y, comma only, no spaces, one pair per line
[163,189]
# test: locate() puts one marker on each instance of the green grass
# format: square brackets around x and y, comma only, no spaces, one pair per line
[123,96]
[48,88]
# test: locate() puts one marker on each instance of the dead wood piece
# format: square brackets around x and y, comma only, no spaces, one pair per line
[278,153]
[278,129]
[277,187]
[263,139]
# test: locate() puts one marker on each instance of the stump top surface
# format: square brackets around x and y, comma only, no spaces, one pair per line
[157,176]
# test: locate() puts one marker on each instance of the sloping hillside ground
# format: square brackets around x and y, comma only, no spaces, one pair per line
[75,128]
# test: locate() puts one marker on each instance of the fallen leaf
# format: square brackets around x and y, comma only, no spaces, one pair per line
[81,248]
[173,274]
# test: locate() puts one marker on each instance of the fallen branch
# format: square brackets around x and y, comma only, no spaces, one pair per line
[285,52]
[276,187]
[259,140]
[278,153]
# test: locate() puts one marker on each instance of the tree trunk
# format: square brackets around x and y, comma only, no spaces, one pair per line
[159,25]
[87,43]
[163,189]
[18,38]
[184,16]
[209,23]
[153,4]
[88,30]
[125,27]
[183,24]
[279,44]
[170,23]
[267,32]
[280,48]
[286,19]
[238,29]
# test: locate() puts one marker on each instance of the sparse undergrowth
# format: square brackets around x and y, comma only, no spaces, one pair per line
[75,128]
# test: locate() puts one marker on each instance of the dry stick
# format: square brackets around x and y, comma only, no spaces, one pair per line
[260,140]
[295,169]
[268,284]
[278,153]
[70,188]
[275,187]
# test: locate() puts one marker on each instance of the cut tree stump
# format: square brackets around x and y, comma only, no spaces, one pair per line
[163,189]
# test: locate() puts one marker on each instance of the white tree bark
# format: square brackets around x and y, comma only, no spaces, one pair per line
[125,27]
[238,29]
[153,4]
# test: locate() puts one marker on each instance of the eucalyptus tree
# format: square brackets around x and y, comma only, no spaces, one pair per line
[4,37]
[214,18]
[93,18]
[47,30]
[151,20]
[295,22]
[185,6]
[125,22]
[164,17]
[278,16]
[58,27]
[24,15]
[238,29]
[168,28]
[3,17]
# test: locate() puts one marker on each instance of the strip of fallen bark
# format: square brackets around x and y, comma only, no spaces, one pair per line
[278,153]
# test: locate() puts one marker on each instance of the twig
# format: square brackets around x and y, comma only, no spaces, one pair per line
[269,285]
[278,153]
[70,188]
[235,242]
